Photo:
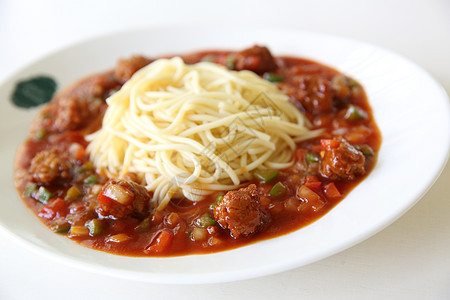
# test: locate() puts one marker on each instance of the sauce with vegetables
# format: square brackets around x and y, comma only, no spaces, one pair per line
[59,183]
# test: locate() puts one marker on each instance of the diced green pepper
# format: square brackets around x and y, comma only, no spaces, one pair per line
[73,193]
[43,195]
[365,149]
[91,179]
[40,134]
[353,84]
[277,190]
[87,166]
[355,113]
[61,228]
[205,221]
[311,157]
[217,201]
[209,58]
[230,61]
[29,189]
[273,77]
[95,226]
[265,175]
[144,225]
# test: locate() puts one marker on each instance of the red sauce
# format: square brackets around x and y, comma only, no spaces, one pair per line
[330,100]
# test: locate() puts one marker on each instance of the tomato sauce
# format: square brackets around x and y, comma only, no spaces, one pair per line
[62,186]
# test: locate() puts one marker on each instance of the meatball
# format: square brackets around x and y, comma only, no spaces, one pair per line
[315,94]
[240,211]
[72,112]
[125,68]
[342,162]
[341,86]
[49,167]
[257,59]
[76,106]
[119,199]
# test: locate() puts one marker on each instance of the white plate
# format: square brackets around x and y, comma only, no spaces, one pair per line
[411,109]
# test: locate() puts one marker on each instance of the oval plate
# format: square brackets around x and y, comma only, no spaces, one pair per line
[411,109]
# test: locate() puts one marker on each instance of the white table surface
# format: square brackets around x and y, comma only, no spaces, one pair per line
[408,260]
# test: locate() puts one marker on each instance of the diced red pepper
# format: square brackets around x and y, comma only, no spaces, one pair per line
[80,154]
[332,192]
[316,148]
[329,144]
[160,243]
[314,185]
[311,178]
[104,199]
[299,154]
[55,209]
[312,182]
[312,200]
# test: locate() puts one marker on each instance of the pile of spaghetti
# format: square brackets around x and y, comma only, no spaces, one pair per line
[190,130]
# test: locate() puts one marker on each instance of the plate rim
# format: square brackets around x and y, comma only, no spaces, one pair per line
[237,274]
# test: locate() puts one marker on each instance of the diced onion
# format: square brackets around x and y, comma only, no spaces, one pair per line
[118,193]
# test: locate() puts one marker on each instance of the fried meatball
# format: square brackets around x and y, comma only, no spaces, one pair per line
[48,167]
[343,162]
[119,199]
[240,211]
[257,59]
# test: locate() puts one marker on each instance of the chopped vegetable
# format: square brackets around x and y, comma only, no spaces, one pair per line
[299,154]
[73,193]
[91,179]
[214,241]
[87,166]
[172,218]
[160,243]
[117,193]
[353,84]
[292,204]
[30,189]
[329,144]
[314,185]
[277,190]
[61,228]
[119,238]
[77,151]
[55,208]
[311,178]
[199,234]
[306,193]
[332,192]
[273,77]
[311,158]
[230,61]
[209,58]
[217,201]
[78,230]
[43,195]
[311,198]
[95,226]
[365,149]
[144,225]
[205,221]
[355,113]
[265,175]
[40,134]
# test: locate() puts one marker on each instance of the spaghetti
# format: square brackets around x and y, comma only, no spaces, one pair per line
[194,129]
